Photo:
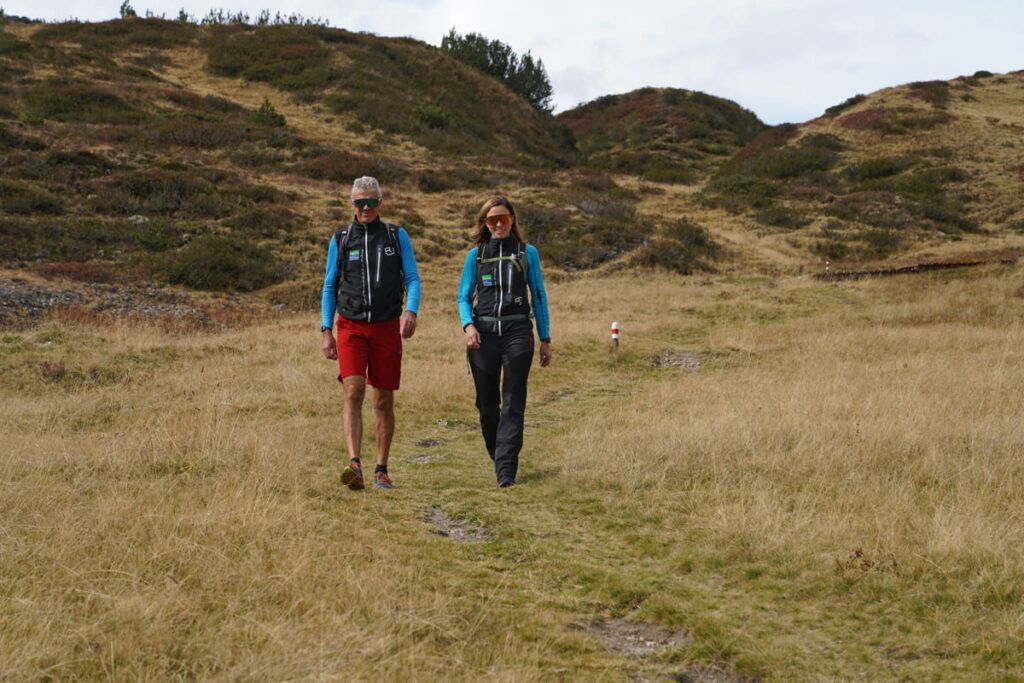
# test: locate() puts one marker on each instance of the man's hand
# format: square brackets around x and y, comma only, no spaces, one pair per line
[407,324]
[545,354]
[329,346]
[472,337]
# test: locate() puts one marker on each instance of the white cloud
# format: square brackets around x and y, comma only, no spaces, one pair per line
[785,59]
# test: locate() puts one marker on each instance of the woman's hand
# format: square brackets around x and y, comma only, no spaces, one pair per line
[472,337]
[545,354]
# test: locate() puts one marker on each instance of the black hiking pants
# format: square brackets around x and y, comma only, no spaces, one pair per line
[502,401]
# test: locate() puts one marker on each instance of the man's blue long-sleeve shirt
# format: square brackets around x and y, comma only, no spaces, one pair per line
[329,299]
[534,278]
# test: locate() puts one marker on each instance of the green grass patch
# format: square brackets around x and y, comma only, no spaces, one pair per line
[883,167]
[66,101]
[217,263]
[19,197]
[62,238]
[266,221]
[682,247]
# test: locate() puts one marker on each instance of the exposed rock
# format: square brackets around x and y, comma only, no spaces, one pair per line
[461,530]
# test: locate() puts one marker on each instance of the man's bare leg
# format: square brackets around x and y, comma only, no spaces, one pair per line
[384,407]
[355,391]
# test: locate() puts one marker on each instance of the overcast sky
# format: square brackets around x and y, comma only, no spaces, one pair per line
[787,60]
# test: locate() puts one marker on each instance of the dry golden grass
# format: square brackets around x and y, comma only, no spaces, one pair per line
[833,495]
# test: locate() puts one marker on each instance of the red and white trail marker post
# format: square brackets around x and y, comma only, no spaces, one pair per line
[615,336]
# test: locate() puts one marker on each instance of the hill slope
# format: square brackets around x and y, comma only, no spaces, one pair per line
[661,134]
[924,162]
[211,156]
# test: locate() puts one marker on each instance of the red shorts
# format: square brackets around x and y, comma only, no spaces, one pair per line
[370,350]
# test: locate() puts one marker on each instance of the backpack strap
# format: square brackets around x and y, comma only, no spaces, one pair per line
[342,246]
[393,239]
[518,258]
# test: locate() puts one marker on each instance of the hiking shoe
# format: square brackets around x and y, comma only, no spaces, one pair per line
[352,477]
[506,483]
[381,480]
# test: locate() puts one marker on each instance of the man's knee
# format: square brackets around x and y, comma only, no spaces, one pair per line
[384,401]
[355,390]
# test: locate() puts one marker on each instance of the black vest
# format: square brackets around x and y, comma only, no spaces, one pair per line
[371,283]
[502,301]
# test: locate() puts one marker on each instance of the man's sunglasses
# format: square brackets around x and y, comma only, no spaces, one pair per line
[372,202]
[502,221]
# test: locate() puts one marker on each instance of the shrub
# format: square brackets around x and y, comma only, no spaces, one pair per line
[267,115]
[583,240]
[10,139]
[187,131]
[813,153]
[883,167]
[845,104]
[344,167]
[607,207]
[24,198]
[737,192]
[289,57]
[782,217]
[217,263]
[831,249]
[75,270]
[65,101]
[536,221]
[669,174]
[206,104]
[681,247]
[934,92]
[266,222]
[434,115]
[61,239]
[255,156]
[199,193]
[155,236]
[11,46]
[925,183]
[598,182]
[882,242]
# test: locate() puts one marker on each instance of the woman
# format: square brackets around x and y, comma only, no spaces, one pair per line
[499,334]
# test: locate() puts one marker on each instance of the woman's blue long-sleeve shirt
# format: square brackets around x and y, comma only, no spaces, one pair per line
[328,297]
[534,278]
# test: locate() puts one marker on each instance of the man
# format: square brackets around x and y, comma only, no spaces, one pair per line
[369,266]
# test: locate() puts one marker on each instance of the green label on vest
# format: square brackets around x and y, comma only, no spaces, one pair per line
[353,254]
[488,280]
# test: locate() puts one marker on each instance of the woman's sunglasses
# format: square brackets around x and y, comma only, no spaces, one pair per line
[372,202]
[502,221]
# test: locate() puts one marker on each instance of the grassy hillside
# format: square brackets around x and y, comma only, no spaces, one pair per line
[218,157]
[927,161]
[661,134]
[775,478]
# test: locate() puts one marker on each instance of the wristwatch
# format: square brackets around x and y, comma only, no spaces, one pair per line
[324,329]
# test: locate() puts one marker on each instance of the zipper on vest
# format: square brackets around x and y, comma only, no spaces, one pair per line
[380,249]
[369,292]
[501,287]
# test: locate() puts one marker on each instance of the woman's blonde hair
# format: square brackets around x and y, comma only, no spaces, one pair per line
[481,235]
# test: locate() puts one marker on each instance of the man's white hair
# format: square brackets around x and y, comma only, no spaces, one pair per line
[366,184]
